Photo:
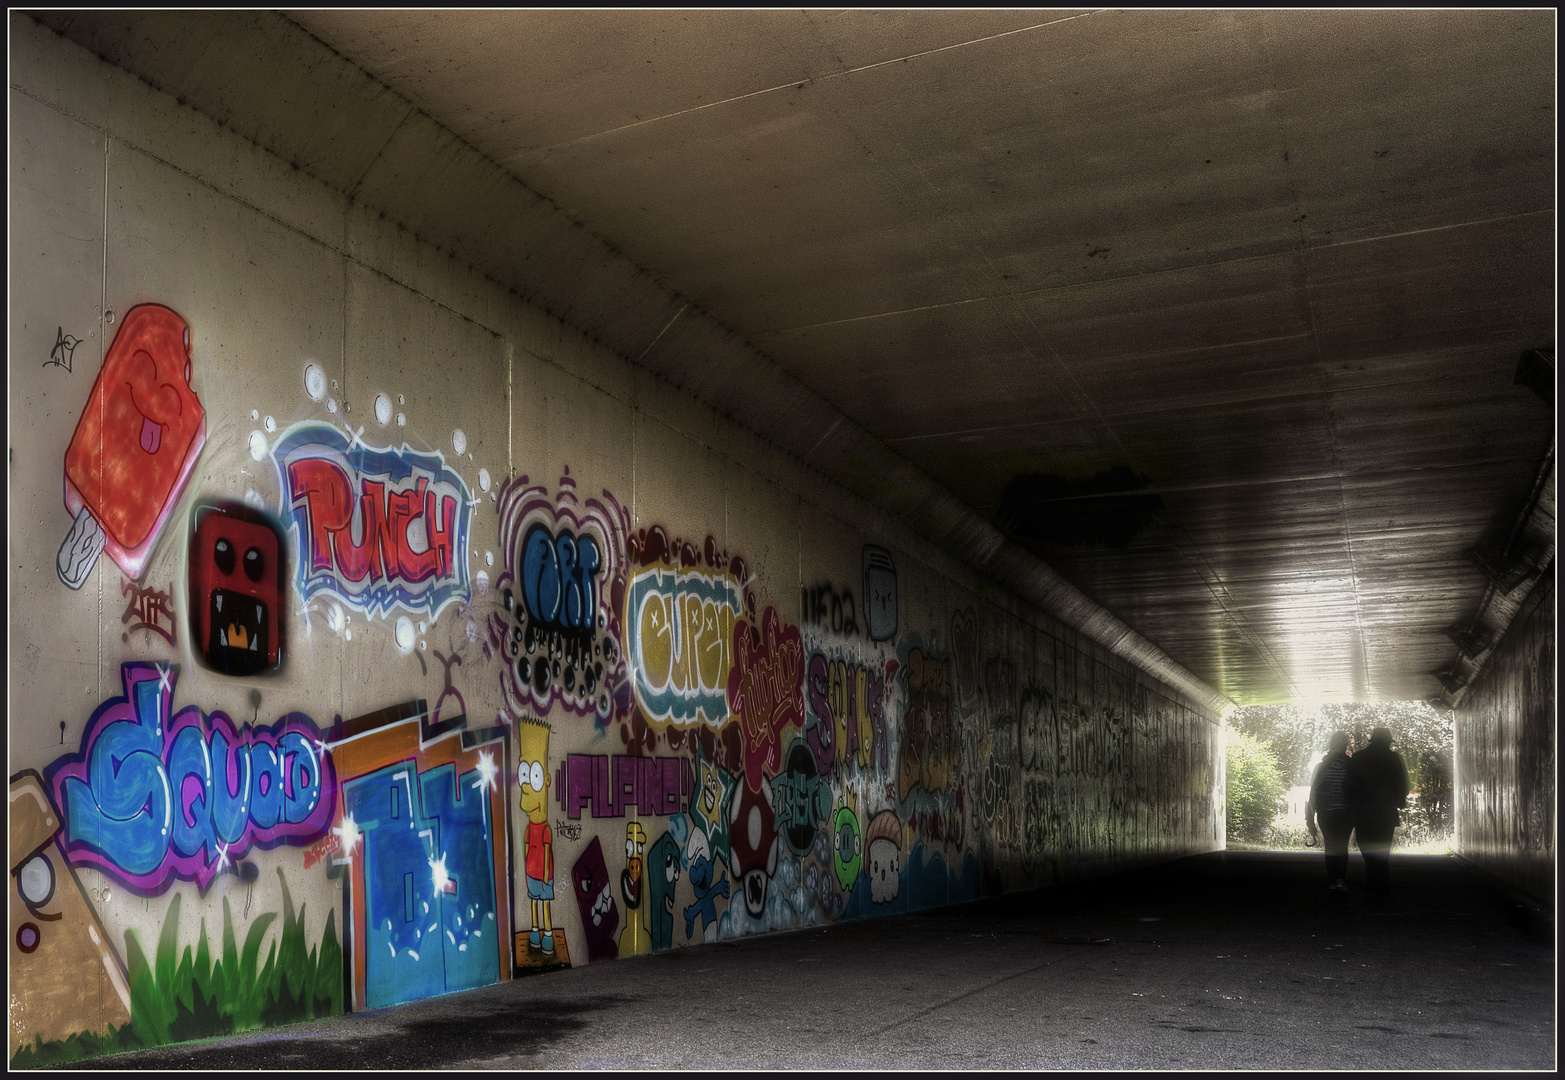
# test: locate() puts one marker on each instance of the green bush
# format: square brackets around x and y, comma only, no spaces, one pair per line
[1257,791]
[174,998]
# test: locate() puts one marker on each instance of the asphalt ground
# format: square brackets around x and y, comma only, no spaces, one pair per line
[1240,960]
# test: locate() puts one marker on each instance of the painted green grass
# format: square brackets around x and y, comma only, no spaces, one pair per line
[197,996]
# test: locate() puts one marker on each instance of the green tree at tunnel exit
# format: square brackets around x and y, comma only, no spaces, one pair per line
[1256,787]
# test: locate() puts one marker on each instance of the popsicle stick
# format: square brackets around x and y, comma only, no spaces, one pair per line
[79,553]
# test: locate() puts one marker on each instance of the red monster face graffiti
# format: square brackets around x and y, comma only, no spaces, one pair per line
[594,898]
[238,585]
[139,434]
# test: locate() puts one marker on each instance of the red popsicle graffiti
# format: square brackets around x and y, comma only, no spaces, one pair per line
[135,446]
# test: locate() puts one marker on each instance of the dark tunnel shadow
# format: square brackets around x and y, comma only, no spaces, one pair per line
[415,1043]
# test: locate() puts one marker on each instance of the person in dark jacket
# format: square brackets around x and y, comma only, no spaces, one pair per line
[1331,808]
[1379,790]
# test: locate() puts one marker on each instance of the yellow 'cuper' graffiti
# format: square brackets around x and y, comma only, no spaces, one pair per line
[679,629]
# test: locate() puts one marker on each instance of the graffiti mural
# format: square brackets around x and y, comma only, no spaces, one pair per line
[532,788]
[65,976]
[848,702]
[883,855]
[766,691]
[135,446]
[753,843]
[829,608]
[595,901]
[635,693]
[929,744]
[636,938]
[664,869]
[880,594]
[381,529]
[154,796]
[682,605]
[615,786]
[422,818]
[562,590]
[238,589]
[679,634]
[152,610]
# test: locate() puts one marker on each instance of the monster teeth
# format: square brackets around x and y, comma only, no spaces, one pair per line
[222,637]
[254,641]
[217,598]
[259,611]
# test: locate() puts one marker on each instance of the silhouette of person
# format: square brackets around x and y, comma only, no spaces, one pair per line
[1379,790]
[1331,807]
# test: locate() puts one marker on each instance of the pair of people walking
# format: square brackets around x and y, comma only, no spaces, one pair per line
[1365,792]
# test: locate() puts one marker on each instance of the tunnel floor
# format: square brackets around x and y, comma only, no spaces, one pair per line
[1230,961]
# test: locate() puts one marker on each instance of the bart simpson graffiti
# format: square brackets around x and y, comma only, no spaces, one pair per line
[532,786]
[152,798]
[380,528]
[562,591]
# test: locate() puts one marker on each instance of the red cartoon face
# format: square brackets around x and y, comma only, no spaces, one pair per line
[141,428]
[238,581]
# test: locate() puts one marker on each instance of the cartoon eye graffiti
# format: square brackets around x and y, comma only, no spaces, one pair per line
[27,937]
[630,849]
[586,885]
[35,881]
[671,868]
[536,776]
[238,619]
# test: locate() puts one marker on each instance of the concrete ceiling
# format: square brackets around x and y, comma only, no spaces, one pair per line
[1219,313]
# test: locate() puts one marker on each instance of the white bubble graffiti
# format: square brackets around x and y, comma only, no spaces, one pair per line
[257,445]
[314,382]
[382,409]
[459,441]
[405,634]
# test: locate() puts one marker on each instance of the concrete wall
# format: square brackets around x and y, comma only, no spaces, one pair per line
[365,620]
[1506,738]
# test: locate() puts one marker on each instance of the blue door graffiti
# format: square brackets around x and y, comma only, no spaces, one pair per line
[428,881]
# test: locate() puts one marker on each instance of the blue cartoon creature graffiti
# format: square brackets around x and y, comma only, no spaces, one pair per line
[707,891]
